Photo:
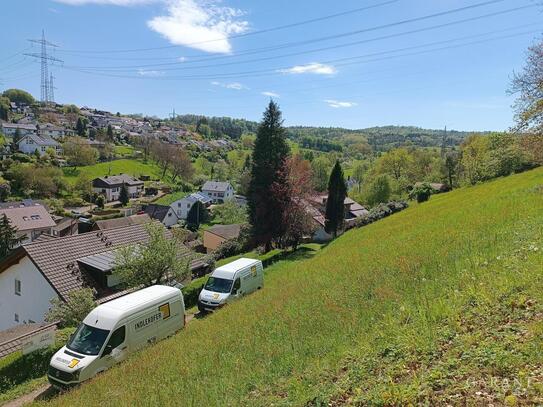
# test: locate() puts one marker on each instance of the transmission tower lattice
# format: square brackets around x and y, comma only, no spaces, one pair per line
[47,94]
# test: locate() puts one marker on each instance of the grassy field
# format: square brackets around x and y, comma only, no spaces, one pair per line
[124,150]
[170,198]
[128,166]
[439,304]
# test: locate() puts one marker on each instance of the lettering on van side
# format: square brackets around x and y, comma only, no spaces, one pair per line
[147,321]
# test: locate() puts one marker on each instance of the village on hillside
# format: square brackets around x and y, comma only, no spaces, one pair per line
[273,249]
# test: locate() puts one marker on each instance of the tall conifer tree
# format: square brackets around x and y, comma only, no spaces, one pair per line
[335,206]
[8,237]
[123,195]
[269,155]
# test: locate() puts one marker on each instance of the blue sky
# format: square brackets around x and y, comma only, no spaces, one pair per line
[227,58]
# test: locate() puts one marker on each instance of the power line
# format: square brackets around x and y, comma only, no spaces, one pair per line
[389,36]
[402,22]
[278,71]
[242,35]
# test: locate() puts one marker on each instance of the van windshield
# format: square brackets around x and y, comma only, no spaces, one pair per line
[218,285]
[87,340]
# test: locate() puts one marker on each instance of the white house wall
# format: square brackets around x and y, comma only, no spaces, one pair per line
[35,298]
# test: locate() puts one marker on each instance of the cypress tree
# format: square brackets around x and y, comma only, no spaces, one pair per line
[123,195]
[335,206]
[269,155]
[197,214]
[110,135]
[8,237]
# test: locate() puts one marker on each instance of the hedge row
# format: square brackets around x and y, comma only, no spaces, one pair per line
[17,368]
[192,291]
[381,211]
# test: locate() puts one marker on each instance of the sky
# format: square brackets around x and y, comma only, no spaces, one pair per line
[349,63]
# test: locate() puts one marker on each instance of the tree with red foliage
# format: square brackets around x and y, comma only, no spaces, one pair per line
[293,194]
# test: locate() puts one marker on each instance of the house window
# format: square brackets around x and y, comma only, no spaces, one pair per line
[17,287]
[16,317]
[42,148]
[188,206]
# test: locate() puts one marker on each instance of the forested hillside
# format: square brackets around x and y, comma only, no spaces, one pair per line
[329,138]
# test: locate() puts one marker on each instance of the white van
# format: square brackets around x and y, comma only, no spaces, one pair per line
[230,282]
[114,330]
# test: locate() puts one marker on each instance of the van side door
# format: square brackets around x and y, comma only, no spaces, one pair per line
[116,348]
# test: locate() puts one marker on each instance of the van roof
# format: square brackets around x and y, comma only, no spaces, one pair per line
[105,316]
[229,270]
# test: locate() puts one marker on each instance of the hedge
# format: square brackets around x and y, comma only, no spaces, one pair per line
[192,291]
[17,368]
[381,211]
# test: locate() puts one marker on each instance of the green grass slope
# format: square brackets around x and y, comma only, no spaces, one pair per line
[129,166]
[439,304]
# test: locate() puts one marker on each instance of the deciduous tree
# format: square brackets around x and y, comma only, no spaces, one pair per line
[71,312]
[155,262]
[527,85]
[78,152]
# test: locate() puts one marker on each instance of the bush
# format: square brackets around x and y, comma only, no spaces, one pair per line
[381,211]
[17,368]
[74,201]
[74,310]
[22,158]
[192,291]
[421,192]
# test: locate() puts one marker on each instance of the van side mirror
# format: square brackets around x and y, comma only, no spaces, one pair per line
[107,350]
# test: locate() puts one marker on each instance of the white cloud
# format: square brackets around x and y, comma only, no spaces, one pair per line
[339,104]
[271,94]
[199,24]
[151,74]
[232,85]
[106,2]
[313,67]
[203,25]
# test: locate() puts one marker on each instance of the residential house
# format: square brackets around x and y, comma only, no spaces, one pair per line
[31,143]
[121,222]
[316,208]
[20,108]
[53,131]
[110,186]
[183,206]
[36,273]
[163,213]
[10,129]
[31,221]
[65,226]
[218,191]
[215,235]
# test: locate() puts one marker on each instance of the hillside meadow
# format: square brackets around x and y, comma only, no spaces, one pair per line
[134,167]
[439,304]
